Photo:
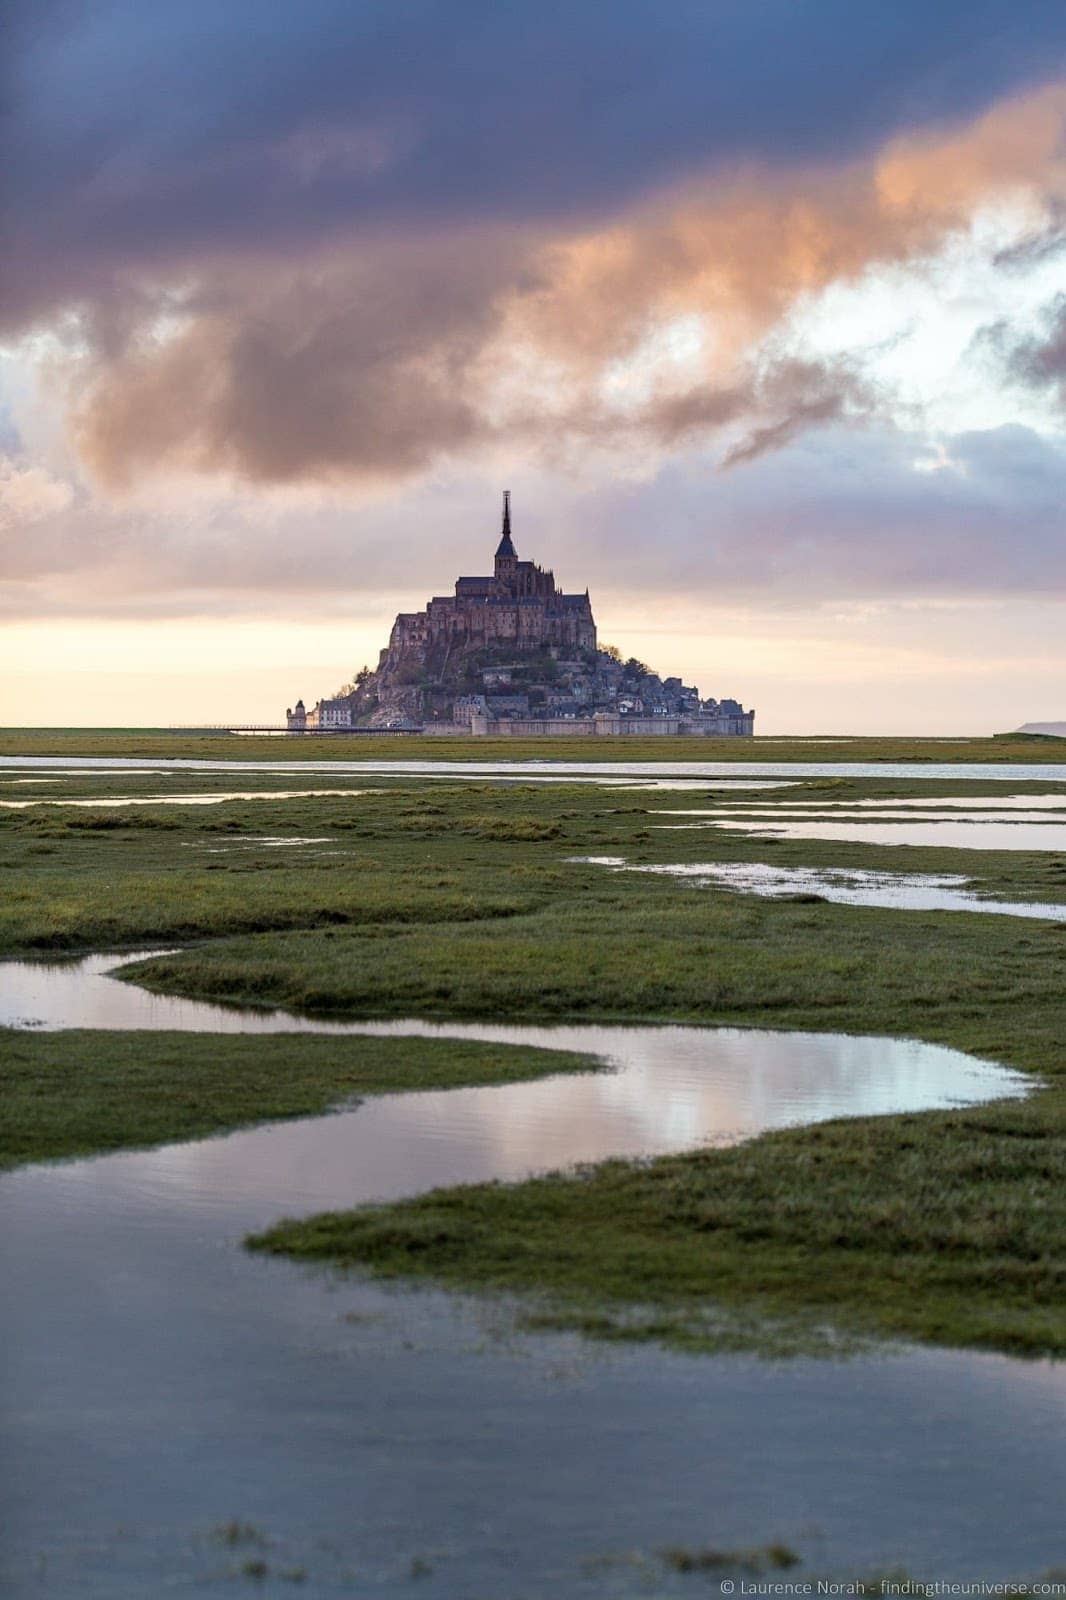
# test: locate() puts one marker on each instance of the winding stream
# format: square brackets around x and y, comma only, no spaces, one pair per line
[162,1382]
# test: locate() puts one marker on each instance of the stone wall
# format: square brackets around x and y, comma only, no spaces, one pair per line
[613,726]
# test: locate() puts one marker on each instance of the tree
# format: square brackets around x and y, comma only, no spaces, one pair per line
[611,650]
[356,683]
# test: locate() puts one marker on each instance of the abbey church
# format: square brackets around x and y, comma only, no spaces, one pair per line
[519,605]
[511,653]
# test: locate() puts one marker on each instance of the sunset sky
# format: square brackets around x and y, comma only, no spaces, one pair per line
[758,307]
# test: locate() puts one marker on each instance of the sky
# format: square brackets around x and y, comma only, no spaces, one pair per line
[758,310]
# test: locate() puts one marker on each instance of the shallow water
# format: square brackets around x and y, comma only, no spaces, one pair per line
[947,835]
[211,799]
[895,891]
[441,770]
[161,1381]
[672,1084]
[866,811]
[251,841]
[940,803]
[1002,771]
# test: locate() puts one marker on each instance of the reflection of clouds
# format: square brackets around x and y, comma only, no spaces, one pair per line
[851,886]
[1013,808]
[976,835]
[1012,772]
[962,804]
[677,1088]
[609,774]
[671,1088]
[183,799]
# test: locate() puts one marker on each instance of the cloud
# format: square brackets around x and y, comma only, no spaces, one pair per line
[1040,362]
[360,269]
[844,514]
[29,495]
[357,365]
[379,359]
[149,137]
[801,395]
[831,516]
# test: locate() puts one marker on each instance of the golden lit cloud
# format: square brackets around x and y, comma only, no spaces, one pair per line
[371,362]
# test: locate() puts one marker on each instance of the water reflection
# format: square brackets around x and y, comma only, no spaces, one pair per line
[671,1088]
[951,835]
[161,1381]
[896,891]
[949,804]
[1017,772]
[213,799]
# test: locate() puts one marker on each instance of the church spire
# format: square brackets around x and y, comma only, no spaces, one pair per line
[505,547]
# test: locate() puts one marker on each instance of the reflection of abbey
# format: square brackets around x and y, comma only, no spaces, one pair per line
[512,654]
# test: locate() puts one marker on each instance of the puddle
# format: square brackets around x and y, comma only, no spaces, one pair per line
[950,804]
[251,842]
[947,835]
[182,799]
[896,891]
[161,1381]
[703,784]
[270,841]
[866,812]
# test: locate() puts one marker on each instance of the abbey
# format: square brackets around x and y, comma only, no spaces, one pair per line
[518,605]
[512,654]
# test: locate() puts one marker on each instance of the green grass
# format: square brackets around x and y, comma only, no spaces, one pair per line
[184,875]
[161,744]
[635,948]
[461,852]
[83,1091]
[945,1227]
[457,900]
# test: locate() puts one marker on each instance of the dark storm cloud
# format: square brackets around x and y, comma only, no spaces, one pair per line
[143,136]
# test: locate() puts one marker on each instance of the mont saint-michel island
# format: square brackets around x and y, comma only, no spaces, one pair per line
[512,654]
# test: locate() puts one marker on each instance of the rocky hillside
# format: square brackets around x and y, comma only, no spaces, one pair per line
[443,686]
